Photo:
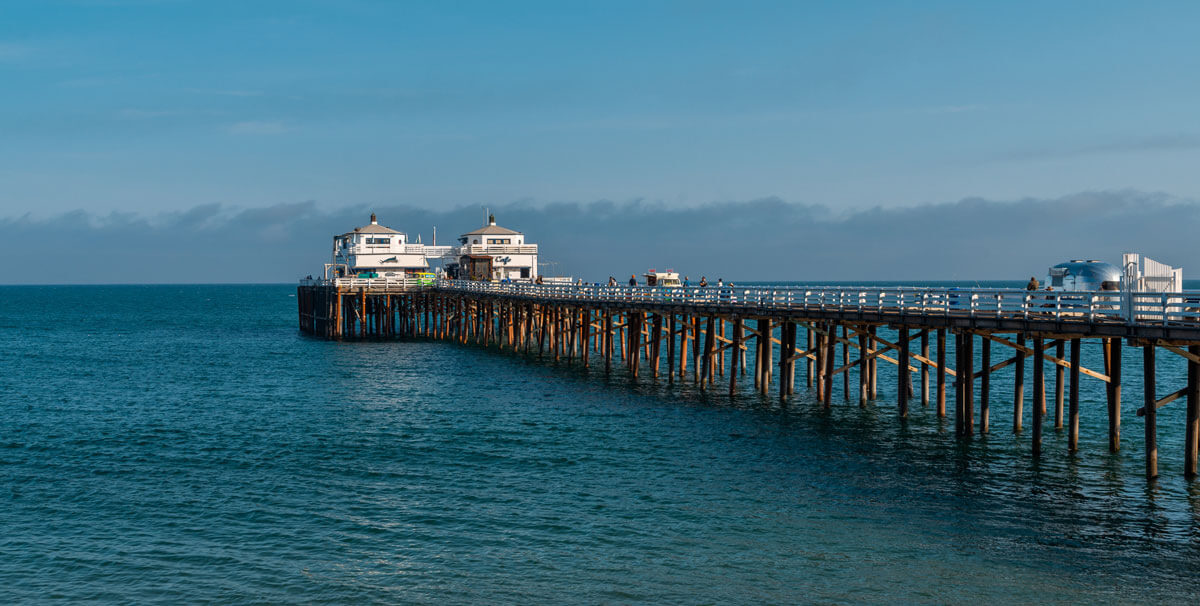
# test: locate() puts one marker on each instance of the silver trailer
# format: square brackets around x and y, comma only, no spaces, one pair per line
[1085,276]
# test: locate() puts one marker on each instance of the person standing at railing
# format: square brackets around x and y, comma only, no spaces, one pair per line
[632,280]
[612,281]
[1033,284]
[538,280]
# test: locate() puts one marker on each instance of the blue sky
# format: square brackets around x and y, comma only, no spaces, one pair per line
[153,106]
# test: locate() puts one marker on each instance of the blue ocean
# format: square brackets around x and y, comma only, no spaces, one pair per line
[167,444]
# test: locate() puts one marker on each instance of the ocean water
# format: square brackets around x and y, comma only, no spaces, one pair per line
[186,444]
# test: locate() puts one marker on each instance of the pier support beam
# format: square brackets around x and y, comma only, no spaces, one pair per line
[985,385]
[672,334]
[1113,359]
[1191,438]
[1151,407]
[846,363]
[968,374]
[1019,385]
[873,363]
[1039,392]
[1059,373]
[808,362]
[864,349]
[903,376]
[940,396]
[1073,421]
[960,397]
[830,348]
[735,352]
[925,368]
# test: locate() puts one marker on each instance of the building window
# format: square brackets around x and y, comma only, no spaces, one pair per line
[499,240]
[379,240]
[524,272]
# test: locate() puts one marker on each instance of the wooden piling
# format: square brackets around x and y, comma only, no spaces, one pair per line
[940,396]
[1039,392]
[709,338]
[671,336]
[1191,439]
[808,362]
[1059,373]
[959,387]
[1073,421]
[925,368]
[985,385]
[863,349]
[1151,407]
[784,335]
[736,350]
[1019,385]
[1114,394]
[967,371]
[845,363]
[828,364]
[791,357]
[608,340]
[819,364]
[768,354]
[902,374]
[873,363]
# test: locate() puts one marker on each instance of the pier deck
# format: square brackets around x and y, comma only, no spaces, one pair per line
[722,331]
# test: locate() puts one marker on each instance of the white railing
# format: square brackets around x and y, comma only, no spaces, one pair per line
[394,283]
[498,249]
[1166,309]
[388,249]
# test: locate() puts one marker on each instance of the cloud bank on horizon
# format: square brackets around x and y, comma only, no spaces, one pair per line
[765,239]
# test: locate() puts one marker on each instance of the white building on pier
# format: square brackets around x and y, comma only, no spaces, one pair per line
[494,253]
[378,250]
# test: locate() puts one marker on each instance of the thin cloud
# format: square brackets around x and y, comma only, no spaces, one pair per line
[225,93]
[1129,145]
[13,52]
[955,109]
[140,114]
[257,128]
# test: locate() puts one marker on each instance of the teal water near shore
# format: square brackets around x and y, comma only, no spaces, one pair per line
[185,443]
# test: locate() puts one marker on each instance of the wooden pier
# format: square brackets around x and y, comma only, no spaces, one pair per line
[713,336]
